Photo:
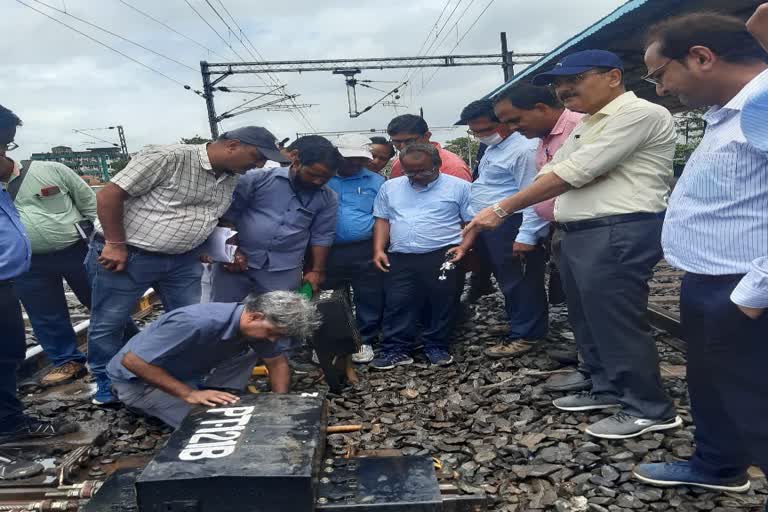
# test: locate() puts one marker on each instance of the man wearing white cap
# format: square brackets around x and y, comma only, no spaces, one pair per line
[350,260]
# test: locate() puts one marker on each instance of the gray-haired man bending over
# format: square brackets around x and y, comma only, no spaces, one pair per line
[172,364]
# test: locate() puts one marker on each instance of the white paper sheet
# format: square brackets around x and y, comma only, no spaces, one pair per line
[217,247]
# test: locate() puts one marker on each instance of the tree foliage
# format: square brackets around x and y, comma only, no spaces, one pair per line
[465,147]
[194,140]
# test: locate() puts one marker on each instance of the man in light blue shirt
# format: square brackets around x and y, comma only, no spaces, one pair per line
[716,229]
[419,216]
[514,249]
[350,261]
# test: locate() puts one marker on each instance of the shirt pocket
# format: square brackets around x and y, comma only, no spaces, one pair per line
[301,218]
[56,203]
[365,201]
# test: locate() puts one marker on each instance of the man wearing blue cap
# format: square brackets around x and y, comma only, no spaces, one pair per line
[717,231]
[152,219]
[611,178]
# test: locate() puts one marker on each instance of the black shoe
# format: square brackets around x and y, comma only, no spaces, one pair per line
[12,468]
[32,428]
[566,357]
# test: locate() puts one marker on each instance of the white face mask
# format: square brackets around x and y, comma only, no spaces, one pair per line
[490,140]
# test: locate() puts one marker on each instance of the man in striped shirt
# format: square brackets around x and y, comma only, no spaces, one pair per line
[716,230]
[152,219]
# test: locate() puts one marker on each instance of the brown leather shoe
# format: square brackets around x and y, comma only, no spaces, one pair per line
[510,349]
[64,373]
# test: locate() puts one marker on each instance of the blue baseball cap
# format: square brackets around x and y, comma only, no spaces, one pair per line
[580,62]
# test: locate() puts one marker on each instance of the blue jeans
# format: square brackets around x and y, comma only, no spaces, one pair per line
[726,355]
[175,278]
[41,290]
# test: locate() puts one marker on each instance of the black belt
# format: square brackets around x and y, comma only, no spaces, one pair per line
[579,225]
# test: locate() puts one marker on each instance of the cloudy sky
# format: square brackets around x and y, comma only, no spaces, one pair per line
[57,80]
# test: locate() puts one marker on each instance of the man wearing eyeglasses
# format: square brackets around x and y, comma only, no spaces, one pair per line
[611,178]
[412,129]
[15,258]
[717,231]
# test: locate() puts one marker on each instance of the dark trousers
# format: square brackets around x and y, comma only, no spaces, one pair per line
[41,290]
[352,265]
[525,296]
[605,272]
[413,281]
[12,351]
[727,354]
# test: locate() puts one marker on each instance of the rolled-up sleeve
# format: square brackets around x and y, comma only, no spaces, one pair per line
[381,204]
[752,290]
[622,134]
[323,229]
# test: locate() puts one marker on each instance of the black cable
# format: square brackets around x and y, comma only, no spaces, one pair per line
[170,28]
[81,20]
[214,30]
[106,46]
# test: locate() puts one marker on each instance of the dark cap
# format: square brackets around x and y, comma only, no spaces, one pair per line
[260,138]
[580,62]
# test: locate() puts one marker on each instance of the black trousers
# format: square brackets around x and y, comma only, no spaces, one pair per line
[12,351]
[413,281]
[352,264]
[727,354]
[605,272]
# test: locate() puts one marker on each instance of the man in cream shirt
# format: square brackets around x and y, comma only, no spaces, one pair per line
[611,178]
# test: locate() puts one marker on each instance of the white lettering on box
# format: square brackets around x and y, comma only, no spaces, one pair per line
[221,440]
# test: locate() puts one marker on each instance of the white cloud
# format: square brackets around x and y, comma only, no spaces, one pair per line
[57,80]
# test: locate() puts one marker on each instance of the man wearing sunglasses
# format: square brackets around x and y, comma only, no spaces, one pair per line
[412,129]
[717,231]
[15,258]
[611,178]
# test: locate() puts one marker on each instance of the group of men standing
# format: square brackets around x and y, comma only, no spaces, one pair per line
[573,159]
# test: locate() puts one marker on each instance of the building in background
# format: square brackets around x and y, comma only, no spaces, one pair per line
[93,162]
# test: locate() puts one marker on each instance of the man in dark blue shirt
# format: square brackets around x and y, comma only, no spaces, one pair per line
[15,257]
[350,260]
[193,355]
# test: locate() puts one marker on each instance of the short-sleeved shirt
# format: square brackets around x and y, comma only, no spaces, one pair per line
[176,198]
[50,219]
[453,165]
[356,194]
[189,342]
[277,220]
[15,251]
[423,219]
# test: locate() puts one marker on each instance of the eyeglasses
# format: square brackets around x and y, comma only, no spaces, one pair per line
[10,146]
[404,142]
[651,76]
[484,131]
[578,78]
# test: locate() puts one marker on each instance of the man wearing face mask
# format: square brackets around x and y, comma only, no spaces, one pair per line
[514,250]
[611,178]
[417,230]
[153,218]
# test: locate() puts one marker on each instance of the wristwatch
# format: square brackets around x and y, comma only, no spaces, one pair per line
[499,211]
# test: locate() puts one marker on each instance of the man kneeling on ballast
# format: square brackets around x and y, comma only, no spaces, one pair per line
[191,355]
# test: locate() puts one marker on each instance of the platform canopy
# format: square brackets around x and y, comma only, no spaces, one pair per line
[623,32]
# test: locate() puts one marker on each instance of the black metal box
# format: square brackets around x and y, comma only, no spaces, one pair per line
[379,484]
[261,455]
[117,494]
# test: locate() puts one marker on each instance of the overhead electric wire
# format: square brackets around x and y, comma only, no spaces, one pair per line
[154,70]
[274,79]
[81,20]
[83,132]
[410,72]
[464,35]
[147,15]
[214,30]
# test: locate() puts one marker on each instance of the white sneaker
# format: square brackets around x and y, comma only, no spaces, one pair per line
[365,355]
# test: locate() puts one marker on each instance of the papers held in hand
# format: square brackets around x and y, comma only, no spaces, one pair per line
[217,247]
